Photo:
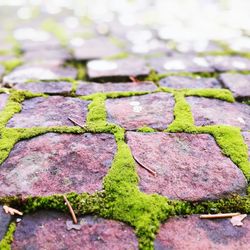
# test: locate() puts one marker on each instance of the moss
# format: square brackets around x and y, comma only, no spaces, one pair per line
[5,243]
[121,55]
[11,64]
[145,129]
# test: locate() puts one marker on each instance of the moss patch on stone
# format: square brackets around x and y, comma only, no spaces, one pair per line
[8,238]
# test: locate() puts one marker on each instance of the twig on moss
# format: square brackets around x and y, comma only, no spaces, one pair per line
[75,122]
[151,171]
[218,216]
[11,211]
[70,209]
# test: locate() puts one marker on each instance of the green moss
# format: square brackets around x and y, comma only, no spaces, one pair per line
[11,64]
[5,243]
[145,129]
[121,55]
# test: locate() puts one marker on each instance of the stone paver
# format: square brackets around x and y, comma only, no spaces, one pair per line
[95,48]
[211,111]
[117,69]
[181,63]
[50,111]
[195,233]
[153,110]
[246,136]
[47,230]
[183,171]
[3,101]
[239,84]
[57,163]
[4,222]
[24,73]
[47,87]
[85,88]
[226,63]
[179,82]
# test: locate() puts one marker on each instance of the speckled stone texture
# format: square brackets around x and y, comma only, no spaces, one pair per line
[50,111]
[4,222]
[117,69]
[57,87]
[57,163]
[95,48]
[179,82]
[246,136]
[25,73]
[211,111]
[226,63]
[239,84]
[3,100]
[180,64]
[195,233]
[85,88]
[183,170]
[47,230]
[153,110]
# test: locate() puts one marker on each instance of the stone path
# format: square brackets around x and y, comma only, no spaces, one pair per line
[139,127]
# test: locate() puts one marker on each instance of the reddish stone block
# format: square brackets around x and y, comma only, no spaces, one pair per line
[195,233]
[4,222]
[153,110]
[238,84]
[179,82]
[3,101]
[117,69]
[57,87]
[25,73]
[246,136]
[47,230]
[57,163]
[50,111]
[183,170]
[216,112]
[85,88]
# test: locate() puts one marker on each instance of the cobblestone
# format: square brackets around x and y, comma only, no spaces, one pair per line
[4,222]
[3,100]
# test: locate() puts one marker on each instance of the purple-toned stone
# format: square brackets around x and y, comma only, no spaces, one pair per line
[183,170]
[1,70]
[95,48]
[50,111]
[246,136]
[117,69]
[4,222]
[3,101]
[57,163]
[189,82]
[195,233]
[153,110]
[216,112]
[181,64]
[24,73]
[226,63]
[51,44]
[85,88]
[47,230]
[238,84]
[56,87]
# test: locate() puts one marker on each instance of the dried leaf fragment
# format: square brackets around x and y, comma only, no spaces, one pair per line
[10,210]
[237,220]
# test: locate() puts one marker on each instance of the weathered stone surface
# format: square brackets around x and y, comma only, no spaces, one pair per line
[4,222]
[189,82]
[3,100]
[51,87]
[195,233]
[182,166]
[226,63]
[246,136]
[57,163]
[48,231]
[153,110]
[117,69]
[211,111]
[85,88]
[50,111]
[181,63]
[1,70]
[24,73]
[239,84]
[95,48]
